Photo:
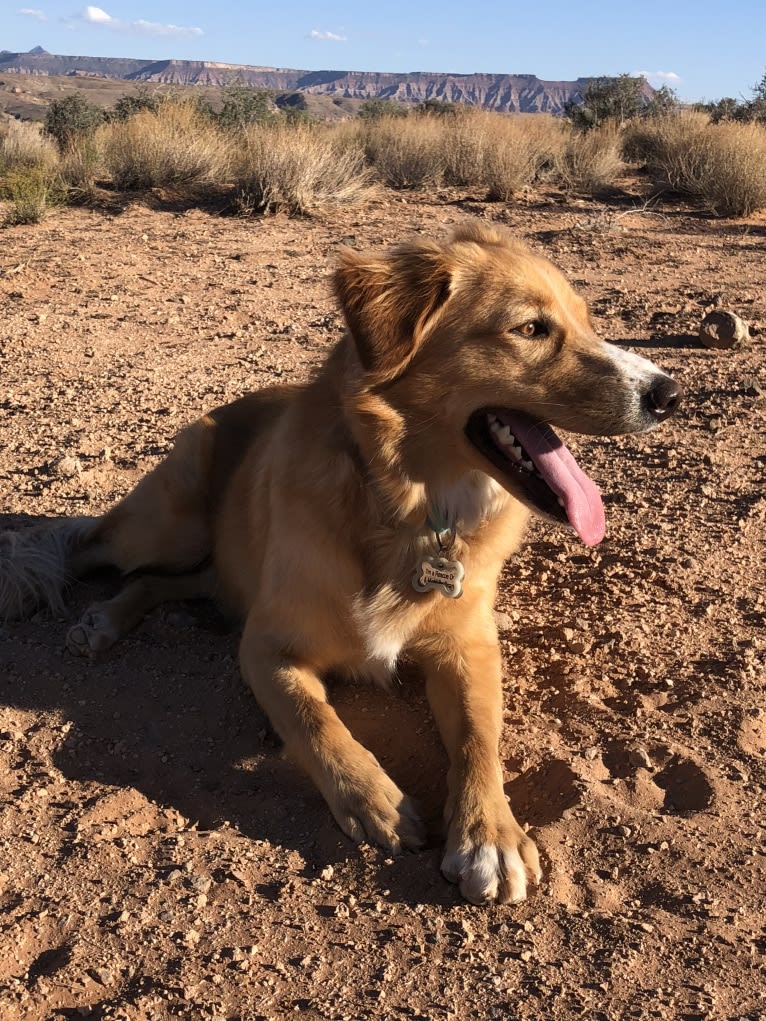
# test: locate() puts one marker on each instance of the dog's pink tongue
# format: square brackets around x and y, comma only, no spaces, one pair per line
[551,457]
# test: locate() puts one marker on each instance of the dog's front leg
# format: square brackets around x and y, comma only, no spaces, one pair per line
[487,852]
[366,803]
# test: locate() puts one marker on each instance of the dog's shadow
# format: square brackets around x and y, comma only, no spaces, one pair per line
[166,712]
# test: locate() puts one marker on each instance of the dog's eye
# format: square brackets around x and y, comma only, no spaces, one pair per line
[534,328]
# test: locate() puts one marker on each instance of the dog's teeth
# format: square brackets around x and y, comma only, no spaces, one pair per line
[505,435]
[494,426]
[516,451]
[528,465]
[561,502]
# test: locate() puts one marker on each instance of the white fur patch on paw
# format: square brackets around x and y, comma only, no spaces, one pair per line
[487,873]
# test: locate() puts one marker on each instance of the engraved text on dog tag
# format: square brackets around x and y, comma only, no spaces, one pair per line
[445,576]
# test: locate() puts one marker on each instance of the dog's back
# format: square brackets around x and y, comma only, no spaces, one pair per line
[164,525]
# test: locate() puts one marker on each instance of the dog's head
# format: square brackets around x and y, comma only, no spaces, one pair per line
[481,347]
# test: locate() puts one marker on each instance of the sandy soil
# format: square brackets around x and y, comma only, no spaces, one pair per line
[159,859]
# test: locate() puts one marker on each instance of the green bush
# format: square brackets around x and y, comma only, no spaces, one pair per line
[141,99]
[374,109]
[617,99]
[72,118]
[243,106]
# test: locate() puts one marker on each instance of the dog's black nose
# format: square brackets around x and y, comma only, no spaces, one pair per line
[664,397]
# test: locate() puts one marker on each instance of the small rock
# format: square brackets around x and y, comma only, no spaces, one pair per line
[327,873]
[640,757]
[102,975]
[67,467]
[723,330]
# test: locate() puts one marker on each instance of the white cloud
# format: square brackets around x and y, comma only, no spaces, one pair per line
[32,12]
[97,16]
[661,77]
[332,37]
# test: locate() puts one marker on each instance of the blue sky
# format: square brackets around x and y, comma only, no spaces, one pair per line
[702,49]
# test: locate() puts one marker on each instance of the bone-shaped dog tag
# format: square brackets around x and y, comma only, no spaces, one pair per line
[441,575]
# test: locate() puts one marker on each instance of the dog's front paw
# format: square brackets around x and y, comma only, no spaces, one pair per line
[371,807]
[94,633]
[491,860]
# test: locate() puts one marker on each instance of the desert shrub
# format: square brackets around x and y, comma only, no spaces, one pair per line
[439,108]
[469,148]
[135,102]
[722,165]
[673,148]
[243,106]
[618,99]
[25,145]
[176,147]
[30,191]
[79,166]
[734,178]
[69,119]
[374,109]
[297,168]
[588,162]
[521,150]
[405,153]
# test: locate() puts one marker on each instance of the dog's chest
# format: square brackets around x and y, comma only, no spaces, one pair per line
[384,621]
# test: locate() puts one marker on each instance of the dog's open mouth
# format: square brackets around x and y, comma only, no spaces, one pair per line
[539,469]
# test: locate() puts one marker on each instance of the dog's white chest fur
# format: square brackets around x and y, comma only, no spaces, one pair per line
[467,502]
[384,624]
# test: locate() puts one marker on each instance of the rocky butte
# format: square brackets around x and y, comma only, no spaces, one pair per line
[507,93]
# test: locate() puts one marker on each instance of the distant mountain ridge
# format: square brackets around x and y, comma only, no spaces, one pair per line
[508,93]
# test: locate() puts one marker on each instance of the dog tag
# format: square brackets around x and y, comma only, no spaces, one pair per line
[441,575]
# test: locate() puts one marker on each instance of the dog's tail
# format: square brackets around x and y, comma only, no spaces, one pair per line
[35,566]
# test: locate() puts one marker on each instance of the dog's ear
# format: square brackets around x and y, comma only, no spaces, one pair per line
[390,302]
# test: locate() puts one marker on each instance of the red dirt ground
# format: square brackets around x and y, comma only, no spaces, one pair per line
[159,859]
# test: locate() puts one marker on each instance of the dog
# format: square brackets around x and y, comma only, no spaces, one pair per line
[365,518]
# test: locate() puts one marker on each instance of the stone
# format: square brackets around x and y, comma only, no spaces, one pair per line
[723,330]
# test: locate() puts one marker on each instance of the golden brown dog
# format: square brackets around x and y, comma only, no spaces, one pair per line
[342,518]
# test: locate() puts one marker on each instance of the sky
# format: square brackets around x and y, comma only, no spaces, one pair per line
[702,49]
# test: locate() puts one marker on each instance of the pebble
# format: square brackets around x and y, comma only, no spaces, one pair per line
[640,757]
[67,467]
[102,975]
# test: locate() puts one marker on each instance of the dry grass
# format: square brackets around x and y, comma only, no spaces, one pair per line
[31,191]
[297,168]
[24,145]
[520,150]
[735,184]
[499,154]
[473,149]
[175,147]
[405,152]
[722,165]
[30,181]
[590,161]
[674,148]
